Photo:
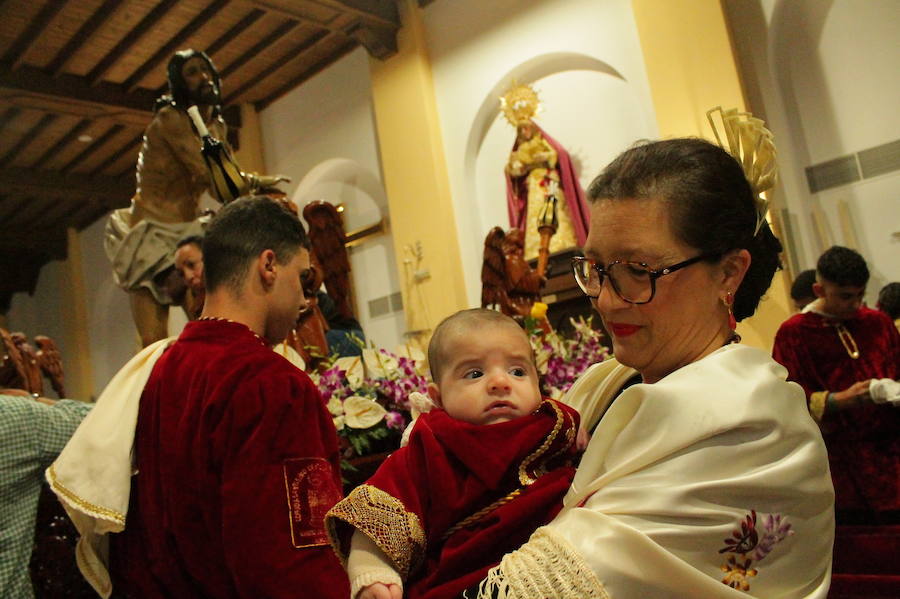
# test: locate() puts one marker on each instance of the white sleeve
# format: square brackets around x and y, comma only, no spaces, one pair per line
[367,564]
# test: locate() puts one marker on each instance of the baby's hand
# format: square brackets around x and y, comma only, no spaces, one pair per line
[381,591]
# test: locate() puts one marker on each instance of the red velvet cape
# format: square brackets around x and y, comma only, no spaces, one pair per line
[451,470]
[863,443]
[237,463]
[517,193]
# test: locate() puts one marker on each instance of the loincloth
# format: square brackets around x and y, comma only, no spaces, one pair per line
[142,255]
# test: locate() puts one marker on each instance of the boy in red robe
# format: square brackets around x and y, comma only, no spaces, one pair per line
[236,456]
[833,349]
[478,476]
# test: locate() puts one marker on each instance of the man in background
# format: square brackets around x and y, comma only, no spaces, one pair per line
[833,349]
[802,289]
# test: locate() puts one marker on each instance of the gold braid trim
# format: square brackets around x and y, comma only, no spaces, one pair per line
[524,477]
[383,518]
[547,566]
[817,405]
[85,506]
[480,514]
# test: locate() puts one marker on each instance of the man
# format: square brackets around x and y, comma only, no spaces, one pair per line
[802,289]
[833,349]
[171,178]
[236,456]
[189,262]
[32,433]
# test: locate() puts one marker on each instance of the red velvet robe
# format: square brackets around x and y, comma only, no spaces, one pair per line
[864,442]
[237,462]
[450,471]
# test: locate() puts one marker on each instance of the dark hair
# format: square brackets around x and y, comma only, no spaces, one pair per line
[241,231]
[195,239]
[801,288]
[843,266]
[464,319]
[179,94]
[711,204]
[889,300]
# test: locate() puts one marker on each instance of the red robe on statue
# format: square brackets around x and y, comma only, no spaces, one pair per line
[864,442]
[449,505]
[237,464]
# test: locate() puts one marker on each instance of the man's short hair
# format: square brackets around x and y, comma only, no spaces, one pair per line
[241,231]
[802,287]
[190,239]
[842,266]
[889,300]
[466,319]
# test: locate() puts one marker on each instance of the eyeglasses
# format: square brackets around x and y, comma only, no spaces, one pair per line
[634,282]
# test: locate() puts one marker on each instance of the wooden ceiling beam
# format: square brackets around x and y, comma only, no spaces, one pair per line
[238,28]
[71,89]
[111,191]
[129,40]
[285,58]
[264,43]
[174,44]
[87,29]
[10,113]
[306,74]
[115,156]
[20,47]
[29,136]
[95,145]
[30,216]
[64,141]
[43,240]
[383,14]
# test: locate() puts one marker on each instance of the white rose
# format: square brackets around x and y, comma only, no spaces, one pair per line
[353,368]
[362,412]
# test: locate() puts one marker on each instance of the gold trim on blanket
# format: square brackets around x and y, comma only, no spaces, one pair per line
[384,519]
[82,504]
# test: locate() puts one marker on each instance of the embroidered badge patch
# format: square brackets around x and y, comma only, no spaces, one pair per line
[751,544]
[311,492]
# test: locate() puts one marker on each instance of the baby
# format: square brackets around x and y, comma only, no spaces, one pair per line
[478,476]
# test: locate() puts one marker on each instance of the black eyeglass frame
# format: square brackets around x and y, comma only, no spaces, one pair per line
[654,274]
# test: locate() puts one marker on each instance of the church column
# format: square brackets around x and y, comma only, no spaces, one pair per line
[414,168]
[691,68]
[74,317]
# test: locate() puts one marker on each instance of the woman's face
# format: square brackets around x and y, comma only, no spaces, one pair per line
[685,319]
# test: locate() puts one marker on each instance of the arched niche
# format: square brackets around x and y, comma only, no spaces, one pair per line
[373,262]
[587,105]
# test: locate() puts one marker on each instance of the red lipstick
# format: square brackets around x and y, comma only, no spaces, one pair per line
[623,330]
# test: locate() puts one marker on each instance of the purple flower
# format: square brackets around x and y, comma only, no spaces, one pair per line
[776,528]
[395,420]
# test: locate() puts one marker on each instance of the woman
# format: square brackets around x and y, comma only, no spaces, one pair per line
[708,479]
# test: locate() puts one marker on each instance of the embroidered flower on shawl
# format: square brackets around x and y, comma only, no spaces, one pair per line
[753,545]
[738,573]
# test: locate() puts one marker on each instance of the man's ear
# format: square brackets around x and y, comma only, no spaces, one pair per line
[435,394]
[267,267]
[818,289]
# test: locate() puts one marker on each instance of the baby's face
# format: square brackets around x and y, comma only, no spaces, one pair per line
[489,375]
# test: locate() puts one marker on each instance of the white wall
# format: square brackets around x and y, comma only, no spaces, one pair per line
[322,135]
[585,60]
[825,76]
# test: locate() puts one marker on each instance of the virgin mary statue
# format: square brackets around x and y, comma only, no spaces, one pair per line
[541,185]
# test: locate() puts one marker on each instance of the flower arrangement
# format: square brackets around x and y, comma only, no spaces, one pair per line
[368,396]
[562,358]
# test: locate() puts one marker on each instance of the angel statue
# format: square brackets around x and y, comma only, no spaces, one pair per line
[507,280]
[326,232]
[544,198]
